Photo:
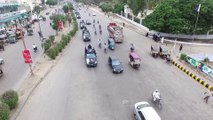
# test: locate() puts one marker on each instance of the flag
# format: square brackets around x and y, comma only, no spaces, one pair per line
[197,8]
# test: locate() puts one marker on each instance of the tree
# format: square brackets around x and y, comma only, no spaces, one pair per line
[37,9]
[179,16]
[56,20]
[51,2]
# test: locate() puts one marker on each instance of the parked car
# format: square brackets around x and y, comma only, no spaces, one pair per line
[144,111]
[88,22]
[115,64]
[11,36]
[86,35]
[111,43]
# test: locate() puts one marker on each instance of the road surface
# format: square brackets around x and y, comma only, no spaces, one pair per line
[71,91]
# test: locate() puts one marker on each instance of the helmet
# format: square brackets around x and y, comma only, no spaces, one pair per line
[156,90]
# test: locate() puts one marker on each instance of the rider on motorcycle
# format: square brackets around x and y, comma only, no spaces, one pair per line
[99,42]
[35,48]
[156,95]
[132,48]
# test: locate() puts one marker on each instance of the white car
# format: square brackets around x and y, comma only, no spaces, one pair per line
[143,111]
[1,61]
[93,14]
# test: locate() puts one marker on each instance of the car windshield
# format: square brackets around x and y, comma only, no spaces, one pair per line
[87,34]
[91,56]
[116,62]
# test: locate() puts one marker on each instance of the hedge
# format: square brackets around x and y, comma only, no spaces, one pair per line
[10,98]
[53,51]
[4,111]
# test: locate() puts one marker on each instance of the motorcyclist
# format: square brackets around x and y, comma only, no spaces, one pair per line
[95,32]
[35,47]
[105,47]
[99,42]
[89,46]
[156,95]
[132,48]
[99,26]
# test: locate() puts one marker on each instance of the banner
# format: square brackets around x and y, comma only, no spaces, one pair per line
[27,56]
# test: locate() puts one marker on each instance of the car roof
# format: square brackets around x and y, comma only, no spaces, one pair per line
[111,39]
[114,58]
[147,110]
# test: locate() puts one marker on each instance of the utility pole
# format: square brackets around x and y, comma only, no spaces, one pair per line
[22,37]
[194,30]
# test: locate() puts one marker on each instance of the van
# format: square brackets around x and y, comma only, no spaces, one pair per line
[143,111]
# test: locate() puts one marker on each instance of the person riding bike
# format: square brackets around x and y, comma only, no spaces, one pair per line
[156,95]
[99,26]
[99,43]
[95,32]
[35,48]
[132,48]
[105,47]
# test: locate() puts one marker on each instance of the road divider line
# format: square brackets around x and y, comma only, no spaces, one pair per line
[202,82]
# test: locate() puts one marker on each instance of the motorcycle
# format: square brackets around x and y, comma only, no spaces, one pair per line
[95,32]
[100,31]
[157,102]
[35,49]
[99,45]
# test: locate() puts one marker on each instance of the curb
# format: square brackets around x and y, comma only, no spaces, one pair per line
[202,82]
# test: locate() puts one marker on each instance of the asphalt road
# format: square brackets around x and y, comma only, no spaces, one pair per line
[15,69]
[71,91]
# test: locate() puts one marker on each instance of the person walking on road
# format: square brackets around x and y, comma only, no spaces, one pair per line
[181,47]
[208,95]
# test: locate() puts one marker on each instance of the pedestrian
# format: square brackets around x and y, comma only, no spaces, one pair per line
[147,34]
[50,24]
[162,40]
[123,24]
[181,47]
[207,95]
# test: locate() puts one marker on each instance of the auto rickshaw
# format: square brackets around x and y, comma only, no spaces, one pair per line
[154,50]
[134,60]
[163,51]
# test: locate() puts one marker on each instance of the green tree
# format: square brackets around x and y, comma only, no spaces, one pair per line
[51,2]
[37,9]
[56,20]
[179,16]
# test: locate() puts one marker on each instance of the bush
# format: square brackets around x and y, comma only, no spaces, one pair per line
[4,111]
[47,44]
[10,98]
[51,53]
[52,38]
[183,56]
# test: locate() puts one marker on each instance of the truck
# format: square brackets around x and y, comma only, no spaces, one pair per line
[115,32]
